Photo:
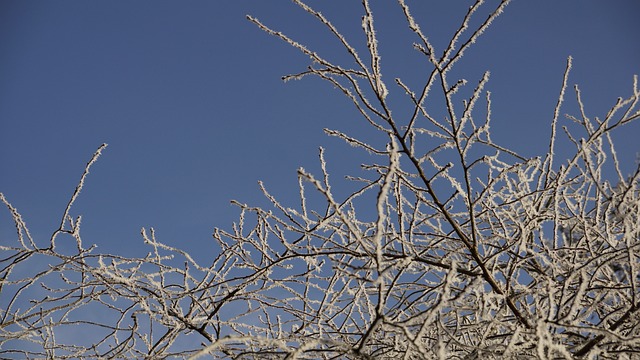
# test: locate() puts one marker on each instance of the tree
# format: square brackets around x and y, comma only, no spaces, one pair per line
[451,246]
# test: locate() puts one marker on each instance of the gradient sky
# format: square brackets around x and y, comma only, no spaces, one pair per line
[188,96]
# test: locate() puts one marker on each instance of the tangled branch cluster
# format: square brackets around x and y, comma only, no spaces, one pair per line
[451,247]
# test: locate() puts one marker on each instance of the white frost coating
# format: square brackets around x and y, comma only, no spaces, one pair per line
[21,227]
[442,244]
[382,199]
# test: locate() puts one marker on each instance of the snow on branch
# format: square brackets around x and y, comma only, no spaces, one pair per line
[449,245]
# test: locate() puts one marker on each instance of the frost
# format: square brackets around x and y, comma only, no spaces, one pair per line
[442,245]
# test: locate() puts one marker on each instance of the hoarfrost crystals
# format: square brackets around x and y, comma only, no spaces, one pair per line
[443,244]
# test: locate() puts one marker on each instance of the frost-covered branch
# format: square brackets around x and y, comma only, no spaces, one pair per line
[449,245]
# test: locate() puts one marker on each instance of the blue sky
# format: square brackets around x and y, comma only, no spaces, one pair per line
[189,98]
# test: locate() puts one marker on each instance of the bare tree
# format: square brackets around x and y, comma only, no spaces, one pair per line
[451,246]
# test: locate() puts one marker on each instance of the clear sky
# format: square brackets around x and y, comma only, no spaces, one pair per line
[188,96]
